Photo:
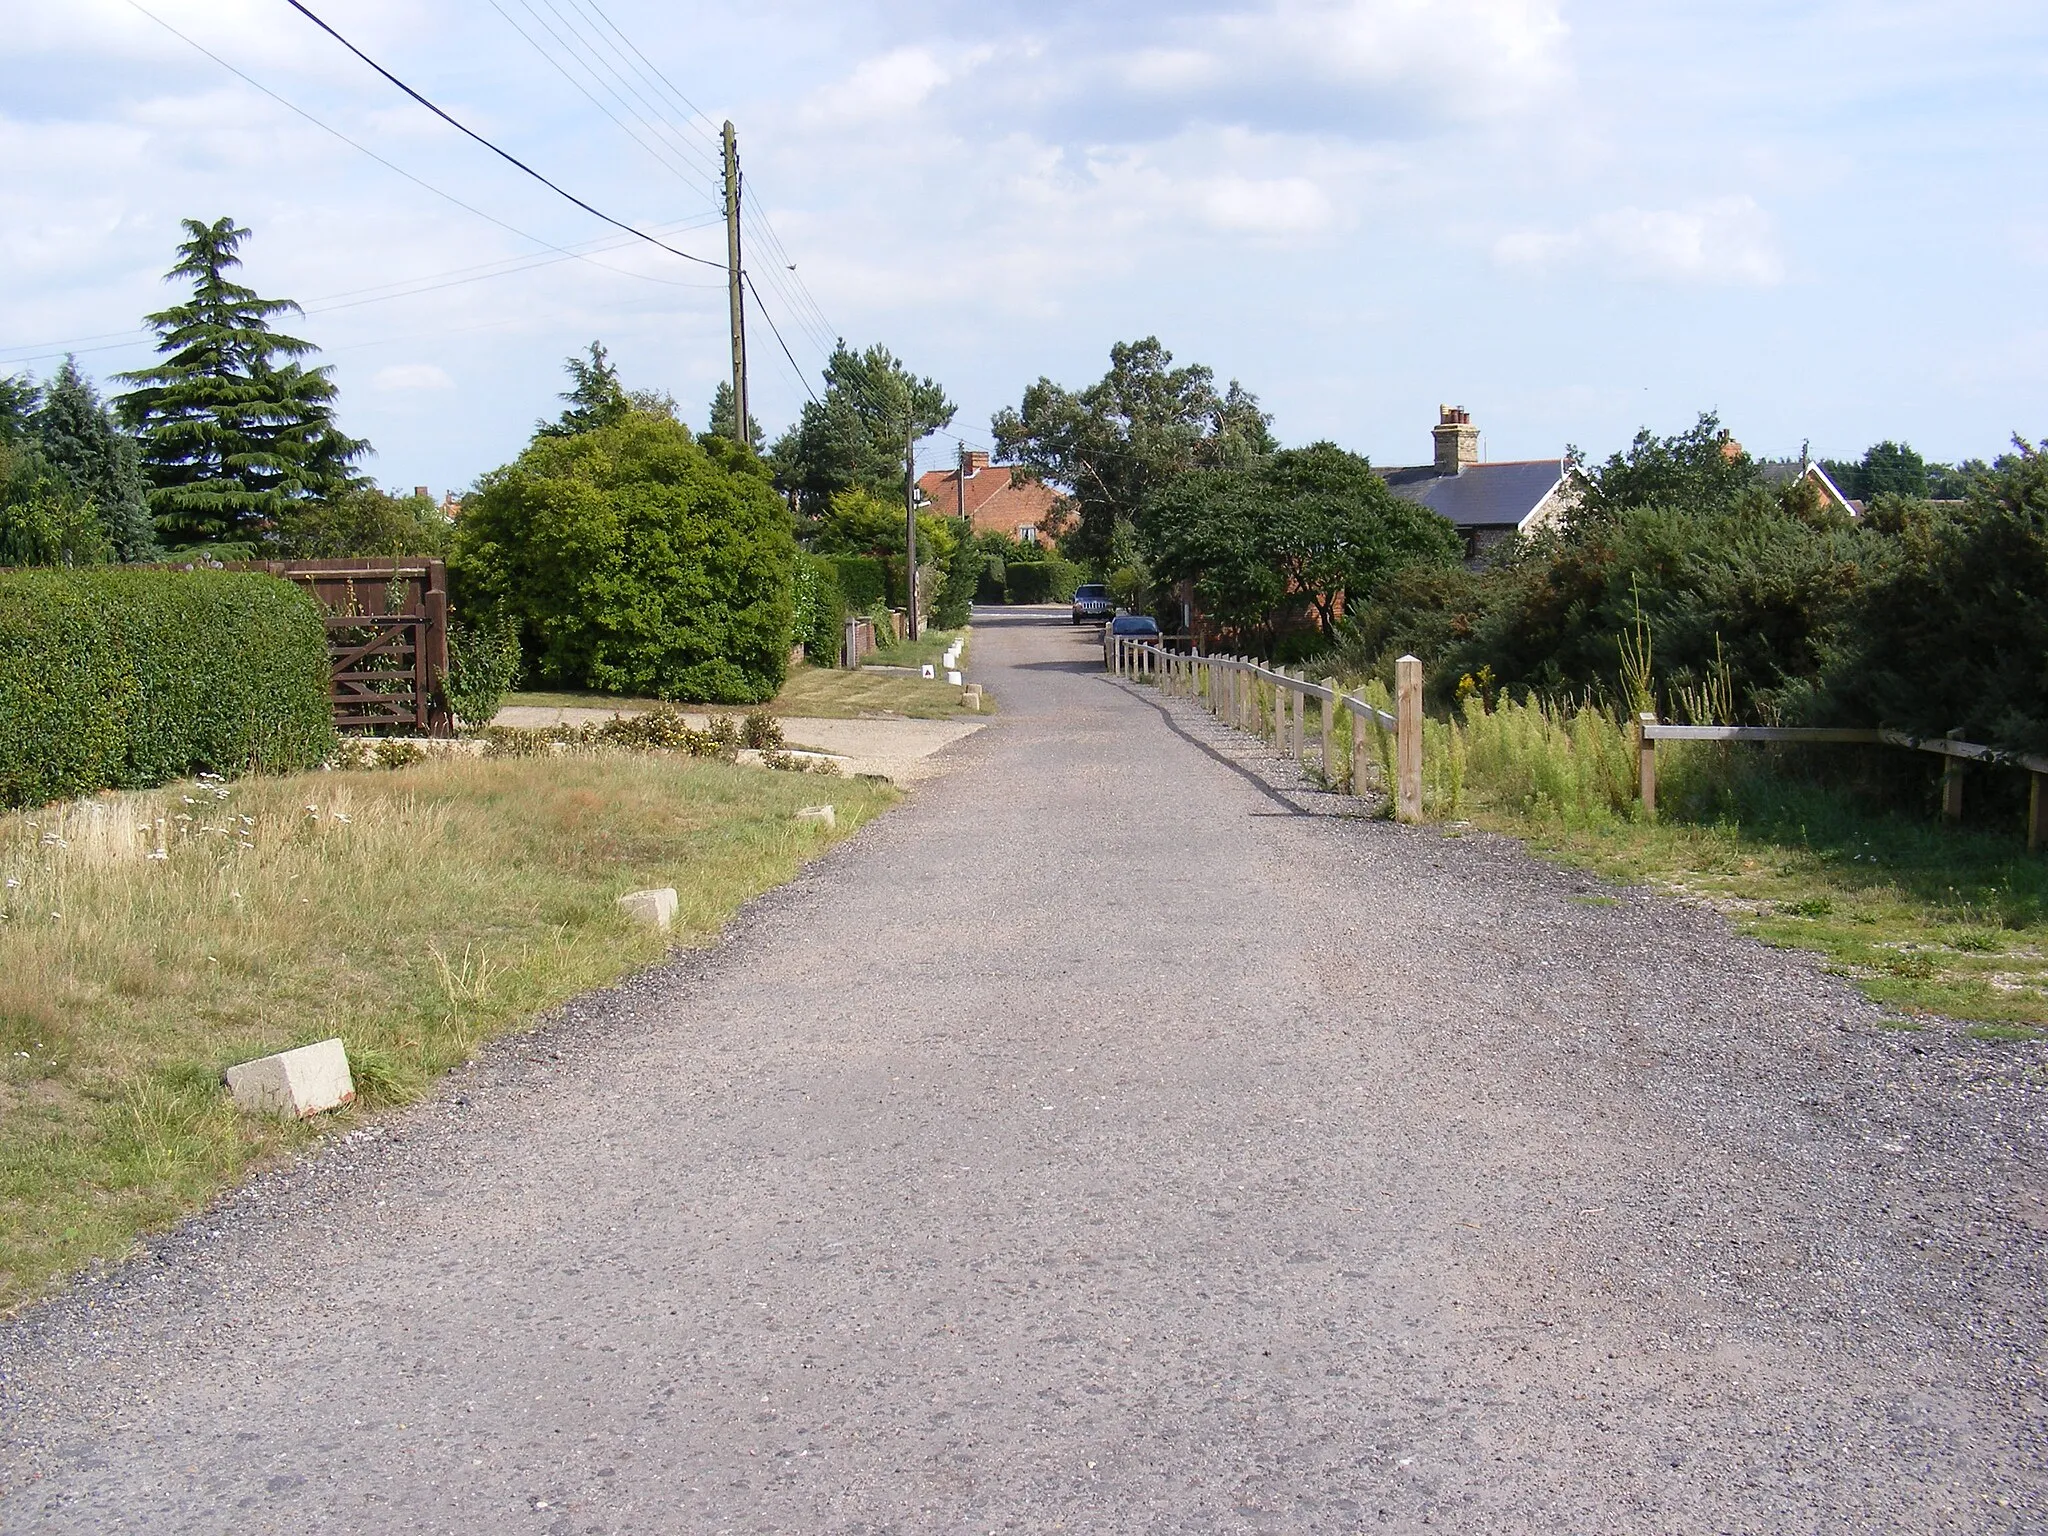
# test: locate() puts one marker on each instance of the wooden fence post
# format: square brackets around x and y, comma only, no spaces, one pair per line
[1330,734]
[1358,750]
[1646,764]
[1952,790]
[1408,738]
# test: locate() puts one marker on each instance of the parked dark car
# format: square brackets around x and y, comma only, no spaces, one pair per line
[1091,602]
[1134,624]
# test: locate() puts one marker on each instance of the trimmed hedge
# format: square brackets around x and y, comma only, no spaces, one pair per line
[1040,581]
[123,678]
[863,581]
[820,609]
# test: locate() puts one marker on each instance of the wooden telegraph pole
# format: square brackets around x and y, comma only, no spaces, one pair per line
[740,418]
[910,518]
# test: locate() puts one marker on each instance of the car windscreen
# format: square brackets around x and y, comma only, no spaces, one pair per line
[1083,594]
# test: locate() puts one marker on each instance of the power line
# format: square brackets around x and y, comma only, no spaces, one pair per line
[506,155]
[365,149]
[802,378]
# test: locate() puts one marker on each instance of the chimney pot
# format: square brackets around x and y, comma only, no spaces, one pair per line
[420,491]
[1457,440]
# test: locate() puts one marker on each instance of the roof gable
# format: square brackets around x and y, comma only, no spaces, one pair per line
[1479,495]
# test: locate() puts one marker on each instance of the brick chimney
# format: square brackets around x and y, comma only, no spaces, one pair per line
[1457,440]
[972,462]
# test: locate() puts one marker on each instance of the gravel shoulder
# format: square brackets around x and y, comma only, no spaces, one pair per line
[898,750]
[1120,1136]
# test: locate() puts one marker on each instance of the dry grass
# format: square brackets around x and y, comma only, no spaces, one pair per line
[151,940]
[818,693]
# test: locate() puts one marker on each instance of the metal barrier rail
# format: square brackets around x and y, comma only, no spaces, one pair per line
[1284,714]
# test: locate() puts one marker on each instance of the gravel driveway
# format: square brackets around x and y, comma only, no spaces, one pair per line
[1115,1138]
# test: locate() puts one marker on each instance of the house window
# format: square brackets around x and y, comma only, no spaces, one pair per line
[1027,534]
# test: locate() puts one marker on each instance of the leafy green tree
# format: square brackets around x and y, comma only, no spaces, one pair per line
[634,559]
[43,520]
[18,396]
[233,427]
[595,397]
[1308,524]
[1954,638]
[1702,469]
[721,422]
[81,442]
[364,521]
[1115,445]
[856,437]
[1890,468]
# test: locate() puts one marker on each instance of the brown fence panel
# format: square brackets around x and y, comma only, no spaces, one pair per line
[387,639]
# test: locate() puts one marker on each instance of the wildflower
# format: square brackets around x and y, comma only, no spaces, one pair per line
[188,799]
[338,816]
[13,885]
[51,839]
[159,853]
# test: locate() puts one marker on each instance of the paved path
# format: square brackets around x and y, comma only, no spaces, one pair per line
[1114,1139]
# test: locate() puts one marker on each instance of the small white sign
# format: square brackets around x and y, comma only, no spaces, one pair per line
[929,670]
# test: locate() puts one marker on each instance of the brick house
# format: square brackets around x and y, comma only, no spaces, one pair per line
[983,492]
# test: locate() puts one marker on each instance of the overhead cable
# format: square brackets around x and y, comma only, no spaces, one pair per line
[506,155]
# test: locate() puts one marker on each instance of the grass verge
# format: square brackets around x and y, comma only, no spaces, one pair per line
[818,693]
[151,940]
[926,648]
[1926,920]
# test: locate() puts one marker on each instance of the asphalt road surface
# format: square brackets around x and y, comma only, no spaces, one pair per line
[1118,1137]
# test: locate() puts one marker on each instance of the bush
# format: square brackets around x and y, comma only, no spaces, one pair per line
[127,678]
[1040,581]
[483,664]
[863,581]
[819,610]
[635,560]
[962,574]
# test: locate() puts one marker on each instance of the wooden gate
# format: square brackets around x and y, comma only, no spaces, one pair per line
[387,640]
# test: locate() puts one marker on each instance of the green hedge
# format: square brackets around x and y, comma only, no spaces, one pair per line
[820,609]
[863,581]
[117,678]
[1040,581]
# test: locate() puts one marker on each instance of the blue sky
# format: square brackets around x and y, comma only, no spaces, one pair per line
[1826,221]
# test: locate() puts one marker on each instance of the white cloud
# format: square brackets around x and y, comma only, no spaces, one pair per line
[404,376]
[890,85]
[1728,241]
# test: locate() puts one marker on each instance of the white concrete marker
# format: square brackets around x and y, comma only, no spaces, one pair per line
[928,670]
[655,908]
[823,815]
[294,1085]
[953,678]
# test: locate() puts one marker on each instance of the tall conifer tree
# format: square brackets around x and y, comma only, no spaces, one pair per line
[233,427]
[81,441]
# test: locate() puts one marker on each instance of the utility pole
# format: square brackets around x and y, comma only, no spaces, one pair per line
[740,419]
[960,479]
[910,517]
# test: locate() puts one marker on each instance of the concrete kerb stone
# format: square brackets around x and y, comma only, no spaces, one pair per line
[824,815]
[656,908]
[295,1084]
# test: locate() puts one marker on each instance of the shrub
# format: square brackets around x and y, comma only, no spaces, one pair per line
[127,678]
[863,581]
[483,664]
[819,610]
[635,560]
[1040,581]
[955,600]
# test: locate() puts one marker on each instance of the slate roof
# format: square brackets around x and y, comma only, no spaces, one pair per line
[1479,495]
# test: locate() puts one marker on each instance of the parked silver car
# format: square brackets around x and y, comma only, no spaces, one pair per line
[1091,602]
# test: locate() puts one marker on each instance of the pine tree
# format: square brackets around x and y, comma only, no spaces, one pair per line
[595,396]
[232,426]
[721,422]
[81,442]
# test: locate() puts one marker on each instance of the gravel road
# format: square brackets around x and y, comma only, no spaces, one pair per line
[1118,1137]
